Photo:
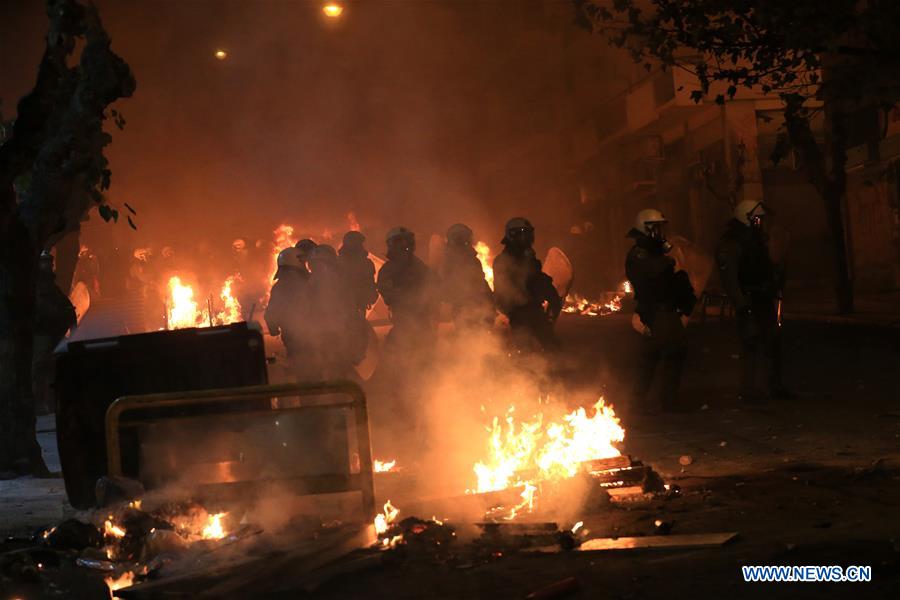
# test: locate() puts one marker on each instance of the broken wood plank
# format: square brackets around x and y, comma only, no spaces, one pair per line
[672,542]
[649,542]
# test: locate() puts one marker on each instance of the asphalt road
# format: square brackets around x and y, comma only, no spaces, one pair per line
[815,480]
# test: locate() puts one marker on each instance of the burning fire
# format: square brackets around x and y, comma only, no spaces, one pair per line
[124,580]
[181,309]
[579,305]
[214,529]
[381,466]
[484,256]
[384,519]
[231,308]
[526,453]
[111,529]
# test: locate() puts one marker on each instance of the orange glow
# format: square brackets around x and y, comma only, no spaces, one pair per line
[522,454]
[352,223]
[484,256]
[333,10]
[221,54]
[284,238]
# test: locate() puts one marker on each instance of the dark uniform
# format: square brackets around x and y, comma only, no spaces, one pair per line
[662,297]
[358,271]
[287,316]
[408,288]
[465,288]
[338,332]
[521,289]
[54,315]
[753,283]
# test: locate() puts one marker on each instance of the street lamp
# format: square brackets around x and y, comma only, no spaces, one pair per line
[221,54]
[332,10]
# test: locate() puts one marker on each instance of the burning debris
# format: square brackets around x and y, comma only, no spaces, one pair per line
[528,453]
[384,466]
[612,302]
[183,311]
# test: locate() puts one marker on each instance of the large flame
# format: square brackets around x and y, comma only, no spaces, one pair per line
[528,452]
[181,309]
[484,256]
[231,308]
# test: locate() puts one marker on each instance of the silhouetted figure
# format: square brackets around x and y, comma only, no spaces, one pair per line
[754,286]
[358,271]
[287,314]
[664,301]
[338,332]
[464,286]
[54,315]
[408,287]
[523,292]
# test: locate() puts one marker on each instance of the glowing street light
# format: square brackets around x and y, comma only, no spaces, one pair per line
[221,54]
[332,10]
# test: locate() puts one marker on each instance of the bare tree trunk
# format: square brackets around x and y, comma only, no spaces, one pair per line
[831,185]
[834,194]
[19,451]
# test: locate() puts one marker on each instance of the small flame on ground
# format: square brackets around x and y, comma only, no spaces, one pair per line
[111,529]
[483,252]
[214,529]
[380,466]
[578,304]
[124,580]
[384,520]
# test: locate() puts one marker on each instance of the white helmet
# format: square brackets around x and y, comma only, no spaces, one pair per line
[649,216]
[291,257]
[747,209]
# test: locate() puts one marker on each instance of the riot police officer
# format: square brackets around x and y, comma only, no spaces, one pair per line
[287,314]
[664,301]
[523,292]
[408,288]
[358,270]
[754,284]
[465,288]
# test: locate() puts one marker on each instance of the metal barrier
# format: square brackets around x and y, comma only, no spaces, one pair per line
[311,484]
